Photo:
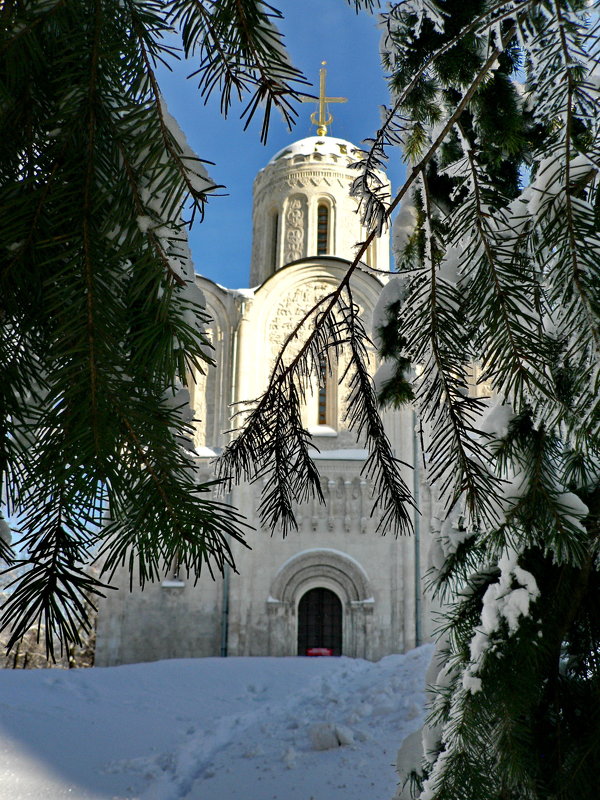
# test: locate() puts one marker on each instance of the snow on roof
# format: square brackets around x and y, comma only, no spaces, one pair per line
[247,293]
[323,145]
[347,454]
[205,452]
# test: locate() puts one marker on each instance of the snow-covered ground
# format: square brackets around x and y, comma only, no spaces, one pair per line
[210,729]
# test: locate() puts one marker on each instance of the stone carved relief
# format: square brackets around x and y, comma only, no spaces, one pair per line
[348,507]
[330,500]
[351,511]
[296,181]
[340,500]
[291,310]
[295,215]
[356,511]
[316,177]
[295,226]
[316,508]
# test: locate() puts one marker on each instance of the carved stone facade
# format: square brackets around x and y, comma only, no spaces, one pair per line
[289,311]
[336,548]
[295,228]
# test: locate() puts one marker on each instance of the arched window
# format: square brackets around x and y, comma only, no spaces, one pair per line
[319,622]
[322,229]
[322,416]
[274,241]
[324,410]
[371,255]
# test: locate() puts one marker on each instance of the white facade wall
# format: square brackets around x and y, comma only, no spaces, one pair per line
[255,612]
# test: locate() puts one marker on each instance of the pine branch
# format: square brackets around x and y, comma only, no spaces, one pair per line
[512,349]
[365,5]
[459,463]
[391,131]
[566,245]
[392,496]
[87,260]
[372,206]
[510,258]
[273,444]
[240,50]
[40,17]
[55,589]
[171,148]
[94,331]
[577,266]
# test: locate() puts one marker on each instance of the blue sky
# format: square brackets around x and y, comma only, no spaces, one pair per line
[315,30]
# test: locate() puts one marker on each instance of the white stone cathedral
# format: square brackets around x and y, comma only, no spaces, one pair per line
[335,586]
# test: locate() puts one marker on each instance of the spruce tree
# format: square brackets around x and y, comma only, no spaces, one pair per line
[100,317]
[498,253]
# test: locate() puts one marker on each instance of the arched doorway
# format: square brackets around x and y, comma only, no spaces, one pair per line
[326,568]
[320,621]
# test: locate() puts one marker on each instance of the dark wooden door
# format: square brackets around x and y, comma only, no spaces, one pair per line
[320,621]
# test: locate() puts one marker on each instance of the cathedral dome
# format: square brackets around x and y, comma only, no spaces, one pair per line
[321,145]
[303,208]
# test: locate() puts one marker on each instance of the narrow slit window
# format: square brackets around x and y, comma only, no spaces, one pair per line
[274,238]
[322,229]
[371,257]
[323,381]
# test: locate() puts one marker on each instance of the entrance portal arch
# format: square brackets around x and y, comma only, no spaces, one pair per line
[326,570]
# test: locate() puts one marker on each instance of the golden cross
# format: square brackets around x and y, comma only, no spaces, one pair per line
[325,118]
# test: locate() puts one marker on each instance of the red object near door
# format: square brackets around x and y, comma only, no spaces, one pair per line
[319,651]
